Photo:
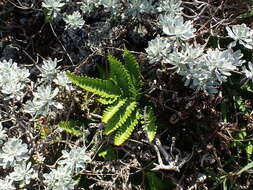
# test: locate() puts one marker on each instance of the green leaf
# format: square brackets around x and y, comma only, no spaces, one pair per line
[246,15]
[102,72]
[107,153]
[71,127]
[242,135]
[154,182]
[43,130]
[104,88]
[124,132]
[247,88]
[240,103]
[106,101]
[149,123]
[120,117]
[112,110]
[245,168]
[249,150]
[133,68]
[120,75]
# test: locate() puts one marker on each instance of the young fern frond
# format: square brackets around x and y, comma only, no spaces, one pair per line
[133,68]
[121,76]
[112,110]
[124,132]
[104,88]
[149,123]
[120,117]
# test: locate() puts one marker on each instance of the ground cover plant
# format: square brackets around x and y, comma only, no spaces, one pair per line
[126,94]
[122,92]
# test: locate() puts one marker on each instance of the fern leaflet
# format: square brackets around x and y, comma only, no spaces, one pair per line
[149,123]
[120,117]
[112,110]
[126,130]
[107,101]
[133,68]
[120,75]
[71,127]
[104,88]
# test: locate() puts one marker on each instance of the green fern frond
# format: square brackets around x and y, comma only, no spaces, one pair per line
[149,123]
[112,110]
[124,132]
[120,117]
[122,91]
[107,101]
[104,88]
[121,76]
[71,127]
[133,68]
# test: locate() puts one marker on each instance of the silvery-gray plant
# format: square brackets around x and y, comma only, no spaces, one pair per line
[205,70]
[60,178]
[75,159]
[63,80]
[13,79]
[74,21]
[241,34]
[53,6]
[172,7]
[248,72]
[6,183]
[158,49]
[113,6]
[201,70]
[13,152]
[49,69]
[87,6]
[137,7]
[175,26]
[23,173]
[43,101]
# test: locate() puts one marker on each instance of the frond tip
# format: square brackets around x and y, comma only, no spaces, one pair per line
[120,75]
[133,68]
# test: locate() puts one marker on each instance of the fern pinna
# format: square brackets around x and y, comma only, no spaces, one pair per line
[121,92]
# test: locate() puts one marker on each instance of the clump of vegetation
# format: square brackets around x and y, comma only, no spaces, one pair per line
[121,92]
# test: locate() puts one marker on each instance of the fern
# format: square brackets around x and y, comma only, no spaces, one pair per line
[121,92]
[120,75]
[104,88]
[111,110]
[71,127]
[133,68]
[120,117]
[149,123]
[107,101]
[126,130]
